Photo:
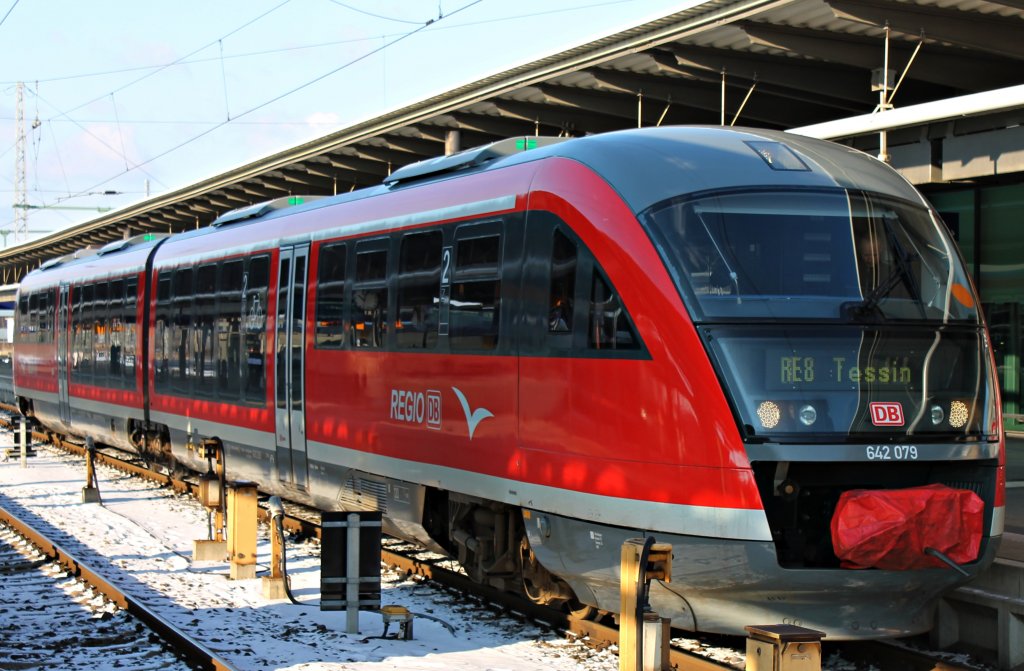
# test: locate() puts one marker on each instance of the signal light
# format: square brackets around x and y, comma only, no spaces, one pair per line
[769,414]
[958,414]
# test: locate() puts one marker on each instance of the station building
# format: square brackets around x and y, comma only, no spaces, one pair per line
[936,87]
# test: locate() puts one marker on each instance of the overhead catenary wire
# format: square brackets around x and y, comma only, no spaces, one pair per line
[187,60]
[223,56]
[376,16]
[286,94]
[176,61]
[98,139]
[9,12]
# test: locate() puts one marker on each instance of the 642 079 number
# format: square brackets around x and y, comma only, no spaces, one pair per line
[891,452]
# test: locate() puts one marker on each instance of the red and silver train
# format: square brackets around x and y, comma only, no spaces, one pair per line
[526,353]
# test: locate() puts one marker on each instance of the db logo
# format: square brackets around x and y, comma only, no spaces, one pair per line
[886,414]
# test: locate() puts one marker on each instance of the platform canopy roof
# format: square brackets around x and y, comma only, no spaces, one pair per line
[802,62]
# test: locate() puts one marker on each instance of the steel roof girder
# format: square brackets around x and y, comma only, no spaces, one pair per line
[997,35]
[703,91]
[935,65]
[845,85]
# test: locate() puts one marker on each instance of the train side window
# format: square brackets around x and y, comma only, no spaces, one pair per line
[419,284]
[51,316]
[204,318]
[370,295]
[228,331]
[609,326]
[474,305]
[330,297]
[254,324]
[34,317]
[130,334]
[562,288]
[162,333]
[51,309]
[115,337]
[181,322]
[75,340]
[85,336]
[23,317]
[44,310]
[100,335]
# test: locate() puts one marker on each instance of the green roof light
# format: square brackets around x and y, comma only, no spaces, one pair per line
[295,200]
[522,144]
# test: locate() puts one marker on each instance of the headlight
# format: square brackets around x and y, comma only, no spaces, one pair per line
[808,415]
[958,414]
[769,414]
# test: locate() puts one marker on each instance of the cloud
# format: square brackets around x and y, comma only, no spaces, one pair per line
[317,120]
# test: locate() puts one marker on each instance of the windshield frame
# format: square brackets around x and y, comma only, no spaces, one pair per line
[742,355]
[873,303]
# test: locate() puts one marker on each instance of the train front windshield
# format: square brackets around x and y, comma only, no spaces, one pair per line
[832,312]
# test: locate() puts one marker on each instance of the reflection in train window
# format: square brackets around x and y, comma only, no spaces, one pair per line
[115,334]
[330,297]
[204,316]
[609,324]
[129,338]
[181,324]
[370,297]
[563,284]
[254,297]
[228,347]
[474,311]
[419,275]
[162,333]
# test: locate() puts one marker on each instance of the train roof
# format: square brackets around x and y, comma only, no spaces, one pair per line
[649,165]
[645,166]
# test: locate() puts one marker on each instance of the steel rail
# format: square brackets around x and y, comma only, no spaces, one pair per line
[182,642]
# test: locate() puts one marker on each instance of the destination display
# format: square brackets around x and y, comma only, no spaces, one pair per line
[836,369]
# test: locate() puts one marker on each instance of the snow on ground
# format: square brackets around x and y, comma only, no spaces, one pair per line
[144,533]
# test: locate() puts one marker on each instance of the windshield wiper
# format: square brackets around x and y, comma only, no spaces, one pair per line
[902,273]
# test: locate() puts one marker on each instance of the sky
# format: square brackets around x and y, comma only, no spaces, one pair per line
[140,98]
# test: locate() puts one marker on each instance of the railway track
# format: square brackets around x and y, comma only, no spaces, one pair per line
[58,612]
[599,634]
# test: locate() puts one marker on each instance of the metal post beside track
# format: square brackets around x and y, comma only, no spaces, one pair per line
[783,647]
[22,438]
[90,493]
[643,635]
[211,494]
[22,422]
[350,563]
[274,586]
[242,522]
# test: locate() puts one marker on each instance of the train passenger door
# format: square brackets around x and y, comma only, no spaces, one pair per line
[289,365]
[63,400]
